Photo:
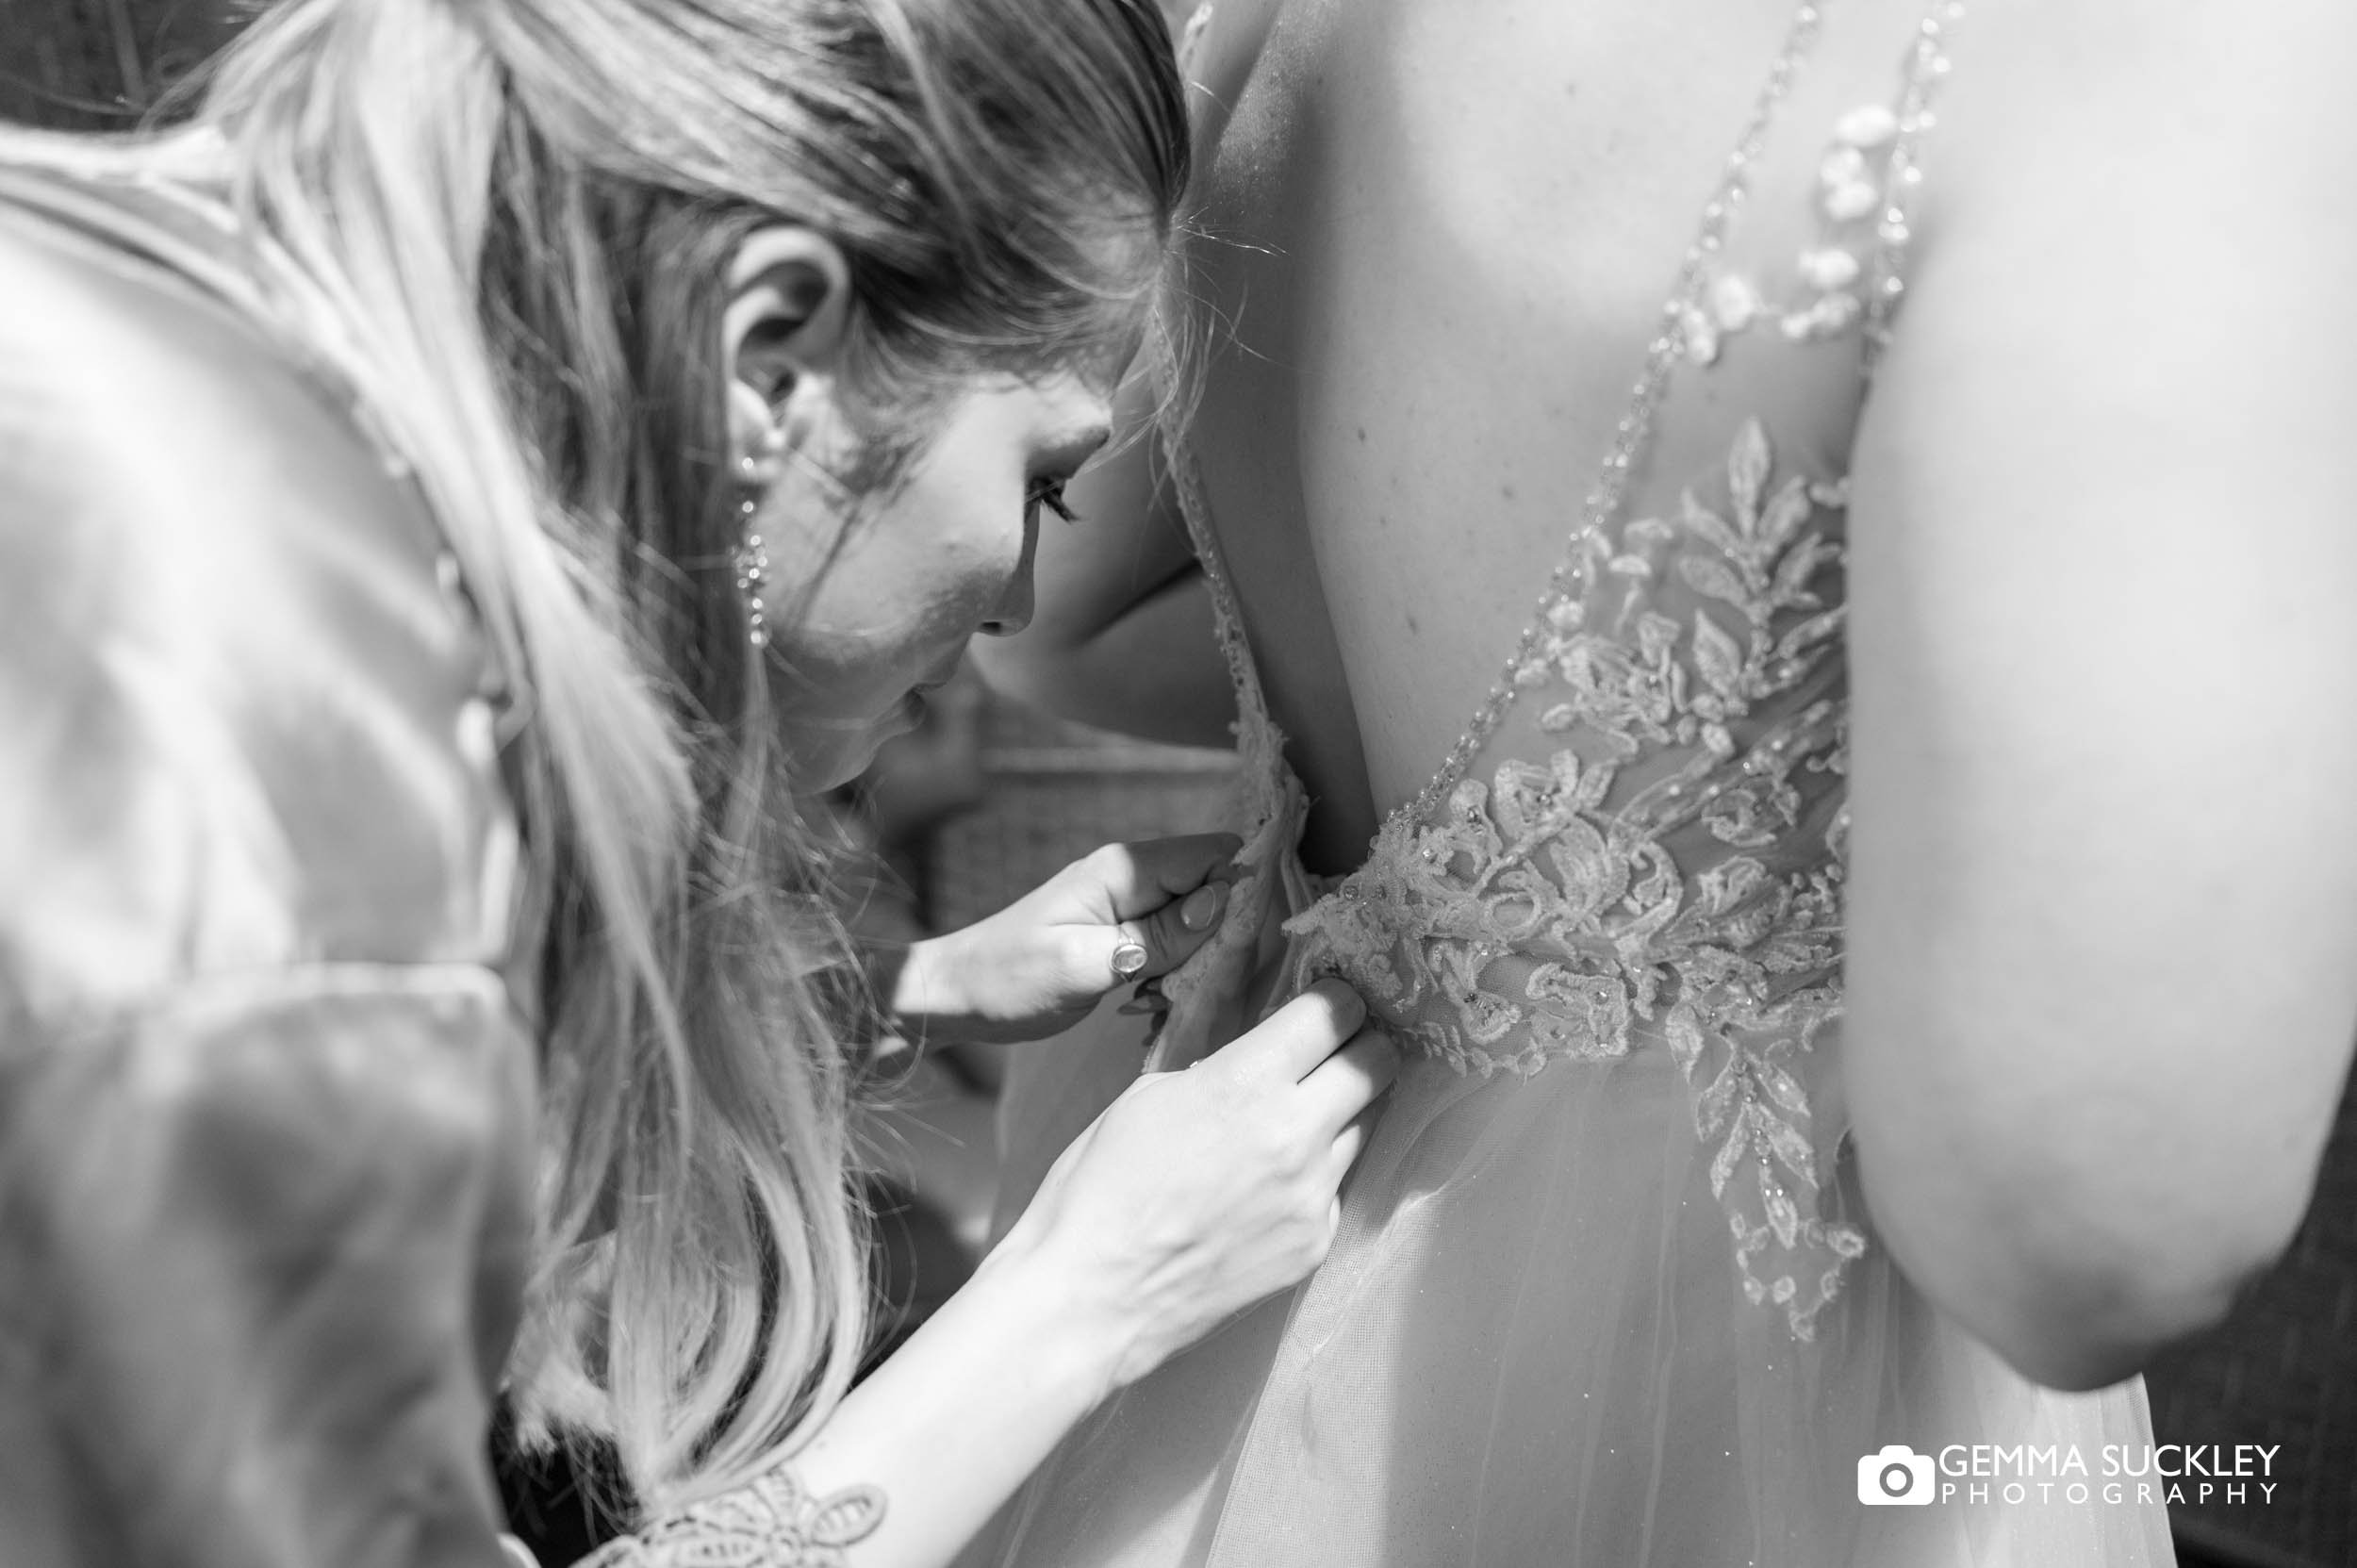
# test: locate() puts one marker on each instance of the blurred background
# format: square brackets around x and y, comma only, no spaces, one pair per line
[990,799]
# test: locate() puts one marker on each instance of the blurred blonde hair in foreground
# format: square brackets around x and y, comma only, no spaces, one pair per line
[511,222]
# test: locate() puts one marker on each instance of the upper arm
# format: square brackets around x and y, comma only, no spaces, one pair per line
[1122,635]
[1130,541]
[265,1106]
[2104,905]
[262,1242]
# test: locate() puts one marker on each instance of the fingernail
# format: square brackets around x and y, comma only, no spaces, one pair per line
[1202,906]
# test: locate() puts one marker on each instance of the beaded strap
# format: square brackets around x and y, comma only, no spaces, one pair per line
[1584,551]
[1569,577]
[1927,67]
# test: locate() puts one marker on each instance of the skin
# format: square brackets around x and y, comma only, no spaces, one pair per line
[871,600]
[2105,681]
[1122,634]
[2104,887]
[1196,1194]
[890,598]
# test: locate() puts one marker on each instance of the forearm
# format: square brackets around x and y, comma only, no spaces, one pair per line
[1192,1195]
[918,984]
[961,1416]
[918,1456]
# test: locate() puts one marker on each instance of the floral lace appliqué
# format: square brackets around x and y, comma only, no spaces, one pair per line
[1671,874]
[770,1523]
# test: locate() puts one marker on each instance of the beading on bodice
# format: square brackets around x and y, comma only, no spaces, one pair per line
[1663,866]
[1671,872]
[1682,845]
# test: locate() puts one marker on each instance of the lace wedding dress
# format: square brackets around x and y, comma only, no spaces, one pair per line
[1605,1294]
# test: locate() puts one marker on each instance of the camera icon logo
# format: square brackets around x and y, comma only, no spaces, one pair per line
[1896,1476]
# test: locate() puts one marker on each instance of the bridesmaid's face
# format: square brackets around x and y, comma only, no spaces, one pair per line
[872,602]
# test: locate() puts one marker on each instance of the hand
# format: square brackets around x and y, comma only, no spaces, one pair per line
[1042,963]
[1199,1192]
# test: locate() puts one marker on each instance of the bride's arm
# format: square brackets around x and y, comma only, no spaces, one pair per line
[2103,903]
[1122,636]
[1195,1194]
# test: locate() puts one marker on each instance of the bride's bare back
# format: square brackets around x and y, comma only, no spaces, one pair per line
[1436,240]
[1438,236]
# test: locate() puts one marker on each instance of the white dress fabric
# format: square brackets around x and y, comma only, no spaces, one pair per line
[1605,1293]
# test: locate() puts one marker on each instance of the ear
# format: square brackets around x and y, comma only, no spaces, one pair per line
[782,338]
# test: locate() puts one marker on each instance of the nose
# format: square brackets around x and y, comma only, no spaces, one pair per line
[1018,600]
[1014,611]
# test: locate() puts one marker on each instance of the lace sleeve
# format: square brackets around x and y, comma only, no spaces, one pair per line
[770,1523]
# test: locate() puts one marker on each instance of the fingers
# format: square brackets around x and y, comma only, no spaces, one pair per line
[1172,932]
[1346,1148]
[1164,895]
[1345,1084]
[1140,879]
[1293,1040]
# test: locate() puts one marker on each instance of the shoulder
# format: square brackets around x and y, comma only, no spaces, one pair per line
[141,396]
[2171,106]
[2130,196]
[128,381]
[2098,572]
[248,703]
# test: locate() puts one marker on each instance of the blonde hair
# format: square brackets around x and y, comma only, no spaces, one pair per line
[518,215]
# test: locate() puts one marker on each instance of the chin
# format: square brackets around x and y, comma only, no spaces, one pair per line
[838,758]
[837,767]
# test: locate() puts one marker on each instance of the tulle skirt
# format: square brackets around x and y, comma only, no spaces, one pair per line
[1528,1347]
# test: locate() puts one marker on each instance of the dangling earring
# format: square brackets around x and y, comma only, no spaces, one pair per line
[751,557]
[752,581]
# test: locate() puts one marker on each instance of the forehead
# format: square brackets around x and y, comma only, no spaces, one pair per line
[1104,363]
[1087,371]
[1053,418]
[1133,260]
[1049,410]
[1097,358]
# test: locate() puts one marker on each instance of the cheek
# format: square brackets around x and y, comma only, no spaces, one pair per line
[901,595]
[939,563]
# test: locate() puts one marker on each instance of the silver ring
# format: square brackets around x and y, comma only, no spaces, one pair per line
[1128,960]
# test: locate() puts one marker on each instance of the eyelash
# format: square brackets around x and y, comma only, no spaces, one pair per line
[1050,495]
